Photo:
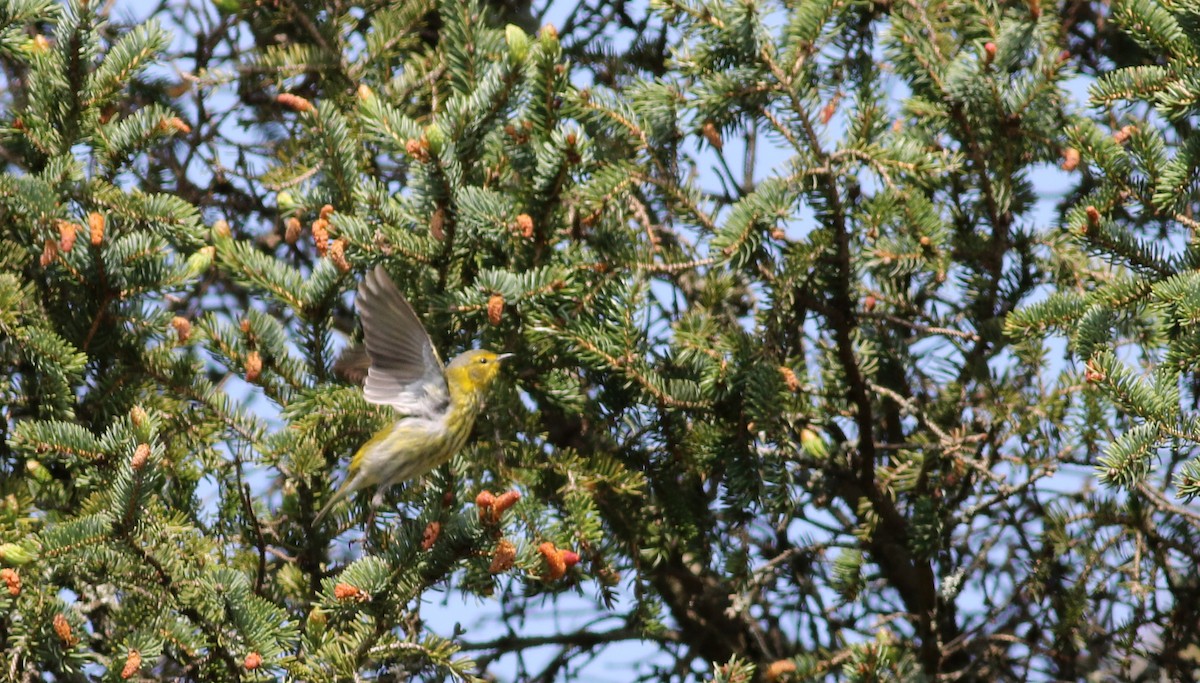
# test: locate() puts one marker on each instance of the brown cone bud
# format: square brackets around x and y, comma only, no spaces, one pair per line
[711,133]
[432,531]
[1122,136]
[49,253]
[608,576]
[502,557]
[418,149]
[570,558]
[175,124]
[12,581]
[294,102]
[320,233]
[291,230]
[252,661]
[524,225]
[484,502]
[67,231]
[556,566]
[62,629]
[1093,217]
[779,669]
[326,212]
[495,308]
[503,502]
[344,592]
[253,366]
[437,224]
[830,108]
[337,254]
[182,327]
[138,416]
[789,378]
[1070,159]
[133,663]
[96,228]
[140,456]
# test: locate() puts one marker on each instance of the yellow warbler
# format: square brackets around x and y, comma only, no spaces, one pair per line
[435,405]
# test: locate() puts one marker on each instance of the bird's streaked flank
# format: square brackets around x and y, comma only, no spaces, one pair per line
[436,406]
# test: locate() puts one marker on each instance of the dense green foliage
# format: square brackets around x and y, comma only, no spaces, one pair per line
[782,405]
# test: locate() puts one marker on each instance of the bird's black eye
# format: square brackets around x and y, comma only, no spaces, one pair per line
[482,360]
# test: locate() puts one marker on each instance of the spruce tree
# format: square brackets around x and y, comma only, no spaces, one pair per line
[1128,322]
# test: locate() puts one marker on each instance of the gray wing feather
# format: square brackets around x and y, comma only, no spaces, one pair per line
[405,371]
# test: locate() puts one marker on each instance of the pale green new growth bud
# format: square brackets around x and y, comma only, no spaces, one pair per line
[518,43]
[141,421]
[813,444]
[285,201]
[200,261]
[316,622]
[549,37]
[435,137]
[15,554]
[35,45]
[38,471]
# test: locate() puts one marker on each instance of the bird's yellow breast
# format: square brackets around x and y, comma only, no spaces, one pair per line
[413,446]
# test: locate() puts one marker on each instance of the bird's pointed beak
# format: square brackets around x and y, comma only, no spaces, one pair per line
[503,356]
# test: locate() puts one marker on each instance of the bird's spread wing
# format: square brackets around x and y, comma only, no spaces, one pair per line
[405,371]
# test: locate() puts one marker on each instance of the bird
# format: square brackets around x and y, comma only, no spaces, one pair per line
[435,406]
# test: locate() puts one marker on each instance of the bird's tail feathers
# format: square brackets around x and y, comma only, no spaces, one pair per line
[347,487]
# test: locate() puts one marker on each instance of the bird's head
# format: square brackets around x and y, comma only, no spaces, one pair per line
[474,371]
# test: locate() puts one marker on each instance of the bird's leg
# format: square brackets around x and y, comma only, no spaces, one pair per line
[376,501]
